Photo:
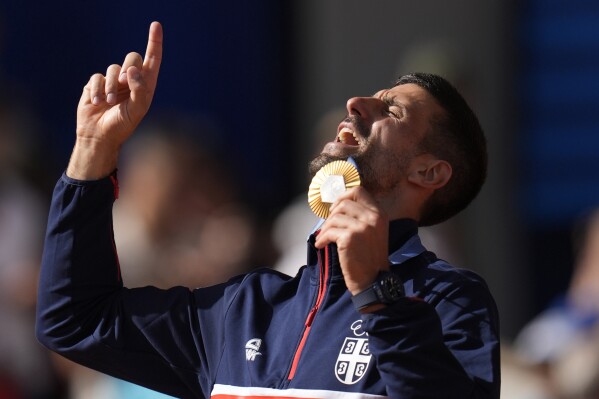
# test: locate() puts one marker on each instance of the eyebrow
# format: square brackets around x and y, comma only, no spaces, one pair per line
[392,102]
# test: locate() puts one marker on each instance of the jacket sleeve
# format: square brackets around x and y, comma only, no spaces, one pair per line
[447,347]
[145,335]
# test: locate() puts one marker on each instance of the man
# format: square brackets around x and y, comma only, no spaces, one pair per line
[372,315]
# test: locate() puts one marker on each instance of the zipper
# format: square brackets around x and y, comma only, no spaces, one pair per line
[324,274]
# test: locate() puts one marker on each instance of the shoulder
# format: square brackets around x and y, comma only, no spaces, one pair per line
[435,280]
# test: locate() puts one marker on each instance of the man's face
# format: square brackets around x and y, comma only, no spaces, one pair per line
[382,134]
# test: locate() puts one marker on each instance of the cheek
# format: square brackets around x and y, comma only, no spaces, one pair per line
[394,134]
[395,146]
[385,162]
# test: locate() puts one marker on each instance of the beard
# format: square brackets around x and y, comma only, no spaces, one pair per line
[381,169]
[326,157]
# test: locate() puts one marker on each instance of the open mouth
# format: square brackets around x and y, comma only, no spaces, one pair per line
[348,136]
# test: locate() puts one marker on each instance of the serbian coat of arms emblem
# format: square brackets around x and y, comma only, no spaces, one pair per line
[353,360]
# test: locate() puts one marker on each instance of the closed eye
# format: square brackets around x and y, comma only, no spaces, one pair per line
[395,114]
[392,107]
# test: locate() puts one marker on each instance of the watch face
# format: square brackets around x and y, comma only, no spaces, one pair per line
[392,287]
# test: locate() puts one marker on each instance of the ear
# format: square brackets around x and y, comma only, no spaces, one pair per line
[429,172]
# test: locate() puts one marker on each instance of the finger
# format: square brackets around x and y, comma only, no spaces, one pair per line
[351,208]
[153,56]
[132,59]
[139,100]
[335,234]
[358,194]
[142,80]
[328,236]
[85,97]
[112,83]
[343,221]
[96,87]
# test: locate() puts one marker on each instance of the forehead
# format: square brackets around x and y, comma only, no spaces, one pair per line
[410,96]
[408,92]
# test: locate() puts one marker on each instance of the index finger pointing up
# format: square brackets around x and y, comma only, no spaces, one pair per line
[154,50]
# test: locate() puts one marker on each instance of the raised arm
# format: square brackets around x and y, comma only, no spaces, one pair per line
[111,107]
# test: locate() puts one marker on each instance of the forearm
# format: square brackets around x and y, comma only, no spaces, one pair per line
[79,263]
[417,359]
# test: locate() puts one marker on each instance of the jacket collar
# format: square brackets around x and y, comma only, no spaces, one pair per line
[404,242]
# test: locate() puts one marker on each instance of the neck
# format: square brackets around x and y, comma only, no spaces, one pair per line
[401,206]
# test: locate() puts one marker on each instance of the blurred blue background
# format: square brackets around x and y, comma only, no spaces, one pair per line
[258,83]
[224,65]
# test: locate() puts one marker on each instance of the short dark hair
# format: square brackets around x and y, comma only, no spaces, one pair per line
[455,137]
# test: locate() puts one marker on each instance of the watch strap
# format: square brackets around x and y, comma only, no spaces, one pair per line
[387,289]
[366,298]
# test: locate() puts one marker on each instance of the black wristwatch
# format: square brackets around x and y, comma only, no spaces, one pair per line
[387,289]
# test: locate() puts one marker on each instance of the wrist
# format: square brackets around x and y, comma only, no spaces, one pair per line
[385,290]
[92,159]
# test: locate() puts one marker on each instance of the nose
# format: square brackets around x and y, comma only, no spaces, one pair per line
[365,107]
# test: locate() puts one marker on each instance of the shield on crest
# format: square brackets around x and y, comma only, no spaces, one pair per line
[353,360]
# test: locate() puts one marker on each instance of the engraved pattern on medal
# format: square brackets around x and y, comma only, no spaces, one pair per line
[329,183]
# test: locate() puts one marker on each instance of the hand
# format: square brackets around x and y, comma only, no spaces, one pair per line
[360,228]
[111,107]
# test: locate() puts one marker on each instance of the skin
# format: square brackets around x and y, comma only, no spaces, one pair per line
[394,121]
[397,119]
[111,107]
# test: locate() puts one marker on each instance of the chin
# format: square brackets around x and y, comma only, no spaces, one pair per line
[324,158]
[339,150]
[321,160]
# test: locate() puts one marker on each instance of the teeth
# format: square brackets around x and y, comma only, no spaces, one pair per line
[345,132]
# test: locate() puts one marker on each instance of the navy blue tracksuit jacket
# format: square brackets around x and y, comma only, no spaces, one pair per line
[263,334]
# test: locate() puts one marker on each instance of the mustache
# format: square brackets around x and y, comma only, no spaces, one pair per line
[358,124]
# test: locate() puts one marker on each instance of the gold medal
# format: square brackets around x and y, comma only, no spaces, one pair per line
[329,183]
